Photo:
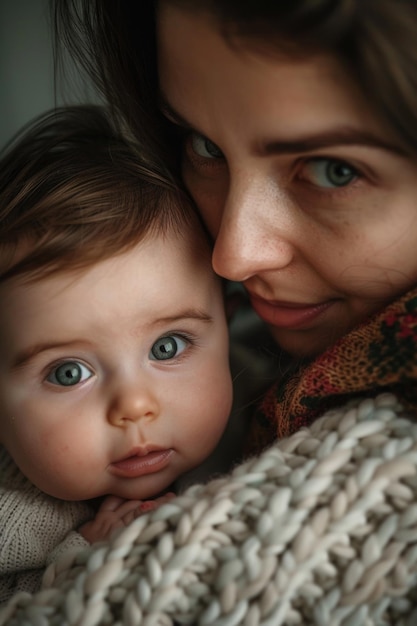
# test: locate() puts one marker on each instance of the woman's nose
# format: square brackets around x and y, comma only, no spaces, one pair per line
[131,403]
[254,234]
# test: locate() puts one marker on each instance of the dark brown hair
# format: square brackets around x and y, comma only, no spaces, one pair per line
[114,42]
[76,191]
[374,39]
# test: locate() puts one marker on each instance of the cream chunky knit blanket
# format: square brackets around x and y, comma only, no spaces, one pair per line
[319,529]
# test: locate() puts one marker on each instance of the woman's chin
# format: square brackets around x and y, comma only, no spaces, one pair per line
[303,344]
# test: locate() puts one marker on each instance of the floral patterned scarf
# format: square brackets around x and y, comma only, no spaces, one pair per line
[379,355]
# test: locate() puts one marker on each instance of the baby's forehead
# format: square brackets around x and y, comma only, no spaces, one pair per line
[159,272]
[186,233]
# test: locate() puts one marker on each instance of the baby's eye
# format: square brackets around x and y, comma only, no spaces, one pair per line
[69,374]
[329,173]
[204,147]
[167,347]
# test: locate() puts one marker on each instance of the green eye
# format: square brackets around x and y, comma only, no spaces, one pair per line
[167,347]
[69,374]
[204,147]
[330,173]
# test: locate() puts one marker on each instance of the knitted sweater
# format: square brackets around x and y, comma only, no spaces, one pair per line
[35,529]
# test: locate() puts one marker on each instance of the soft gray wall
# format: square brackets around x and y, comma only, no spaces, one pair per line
[26,65]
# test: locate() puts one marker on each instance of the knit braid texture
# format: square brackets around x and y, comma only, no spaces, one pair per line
[321,528]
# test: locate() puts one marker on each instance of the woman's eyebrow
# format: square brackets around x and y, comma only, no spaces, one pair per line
[343,136]
[170,113]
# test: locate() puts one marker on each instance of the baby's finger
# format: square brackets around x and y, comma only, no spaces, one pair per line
[151,505]
[126,506]
[129,517]
[167,497]
[110,503]
[146,506]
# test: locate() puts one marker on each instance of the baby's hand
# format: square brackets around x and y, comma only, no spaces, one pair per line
[116,513]
[113,513]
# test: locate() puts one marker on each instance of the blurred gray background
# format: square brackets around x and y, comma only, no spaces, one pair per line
[26,66]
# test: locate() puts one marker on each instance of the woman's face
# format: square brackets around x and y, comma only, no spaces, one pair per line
[311,202]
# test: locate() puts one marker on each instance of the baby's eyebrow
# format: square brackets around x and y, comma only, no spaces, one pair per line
[27,354]
[23,357]
[187,314]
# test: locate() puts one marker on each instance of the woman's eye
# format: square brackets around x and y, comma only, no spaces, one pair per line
[167,347]
[329,173]
[204,147]
[69,374]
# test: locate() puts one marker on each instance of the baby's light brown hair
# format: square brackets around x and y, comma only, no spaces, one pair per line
[74,191]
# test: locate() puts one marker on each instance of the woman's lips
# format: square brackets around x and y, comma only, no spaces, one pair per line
[288,315]
[140,463]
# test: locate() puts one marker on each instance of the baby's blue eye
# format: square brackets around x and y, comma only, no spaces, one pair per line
[204,147]
[167,347]
[69,374]
[330,173]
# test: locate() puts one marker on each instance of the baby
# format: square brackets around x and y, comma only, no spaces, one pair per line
[114,373]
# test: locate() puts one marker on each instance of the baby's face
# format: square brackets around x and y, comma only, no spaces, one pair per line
[115,380]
